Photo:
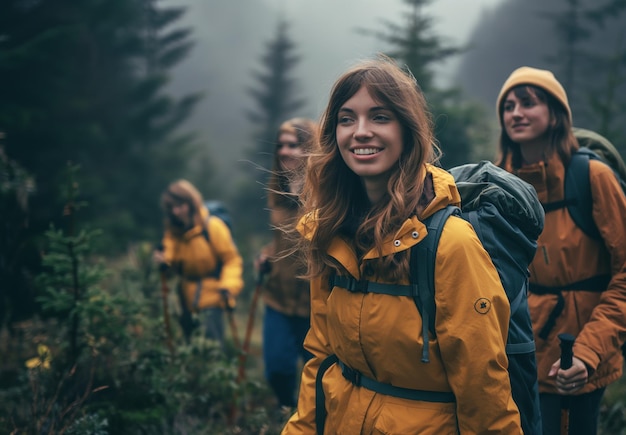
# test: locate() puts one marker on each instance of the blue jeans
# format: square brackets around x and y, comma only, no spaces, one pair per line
[283,338]
[212,323]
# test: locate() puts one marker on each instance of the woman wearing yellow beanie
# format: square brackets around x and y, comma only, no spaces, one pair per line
[577,282]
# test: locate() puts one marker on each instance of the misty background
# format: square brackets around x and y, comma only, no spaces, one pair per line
[139,93]
[231,35]
[104,103]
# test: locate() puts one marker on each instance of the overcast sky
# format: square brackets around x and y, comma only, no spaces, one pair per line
[231,36]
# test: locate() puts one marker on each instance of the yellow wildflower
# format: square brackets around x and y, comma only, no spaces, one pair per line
[42,359]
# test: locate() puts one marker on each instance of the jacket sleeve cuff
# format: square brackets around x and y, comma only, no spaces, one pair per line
[588,356]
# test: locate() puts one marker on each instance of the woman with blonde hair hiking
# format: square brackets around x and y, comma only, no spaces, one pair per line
[200,250]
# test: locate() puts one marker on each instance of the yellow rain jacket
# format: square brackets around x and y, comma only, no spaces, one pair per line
[197,262]
[380,336]
[566,255]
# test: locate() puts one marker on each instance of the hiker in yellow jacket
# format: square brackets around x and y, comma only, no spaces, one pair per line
[367,191]
[577,283]
[201,251]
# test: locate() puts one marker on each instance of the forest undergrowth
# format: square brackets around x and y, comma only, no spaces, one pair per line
[105,355]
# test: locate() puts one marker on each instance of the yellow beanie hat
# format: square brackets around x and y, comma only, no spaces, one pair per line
[541,78]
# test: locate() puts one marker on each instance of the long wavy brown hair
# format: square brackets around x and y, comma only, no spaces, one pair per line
[336,195]
[279,193]
[562,139]
[181,191]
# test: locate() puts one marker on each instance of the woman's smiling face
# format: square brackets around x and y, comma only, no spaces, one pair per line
[369,137]
[525,119]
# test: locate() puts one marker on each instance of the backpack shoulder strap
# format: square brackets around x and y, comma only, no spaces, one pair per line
[421,275]
[206,234]
[577,192]
[578,187]
[422,272]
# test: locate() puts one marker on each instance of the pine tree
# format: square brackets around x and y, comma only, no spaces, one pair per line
[18,256]
[85,82]
[416,46]
[275,95]
[594,77]
[571,32]
[606,95]
[159,150]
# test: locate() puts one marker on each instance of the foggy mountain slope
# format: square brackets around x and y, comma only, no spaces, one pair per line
[516,33]
[509,36]
[229,36]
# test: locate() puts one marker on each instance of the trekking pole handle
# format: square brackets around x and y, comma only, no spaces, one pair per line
[162,266]
[567,343]
[225,295]
[264,268]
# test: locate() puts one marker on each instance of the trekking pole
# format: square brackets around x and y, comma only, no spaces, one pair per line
[243,351]
[231,318]
[263,269]
[232,412]
[166,312]
[567,343]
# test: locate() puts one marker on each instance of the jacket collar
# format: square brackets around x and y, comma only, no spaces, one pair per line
[546,177]
[443,193]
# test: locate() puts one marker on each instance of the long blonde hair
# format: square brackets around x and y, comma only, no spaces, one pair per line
[336,194]
[181,191]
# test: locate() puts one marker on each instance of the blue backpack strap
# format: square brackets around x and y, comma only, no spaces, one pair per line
[515,304]
[320,397]
[421,276]
[364,286]
[422,290]
[577,191]
[360,380]
[578,186]
[422,272]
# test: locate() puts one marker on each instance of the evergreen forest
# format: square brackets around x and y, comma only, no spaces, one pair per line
[92,132]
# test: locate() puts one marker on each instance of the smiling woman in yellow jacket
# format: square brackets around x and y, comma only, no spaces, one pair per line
[201,251]
[368,189]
